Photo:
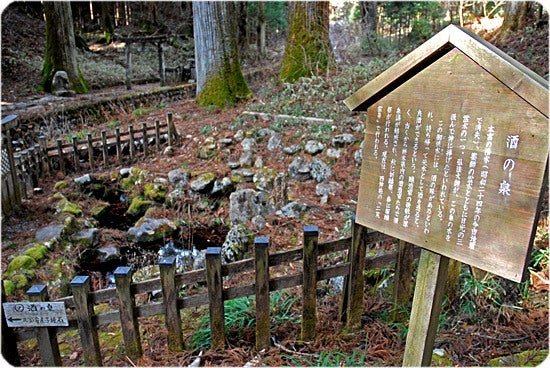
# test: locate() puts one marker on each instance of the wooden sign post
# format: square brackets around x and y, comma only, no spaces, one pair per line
[454,159]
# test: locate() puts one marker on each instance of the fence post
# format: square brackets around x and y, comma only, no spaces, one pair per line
[309,289]
[9,343]
[118,145]
[21,183]
[128,52]
[25,173]
[76,155]
[356,284]
[8,123]
[402,281]
[157,135]
[144,134]
[261,256]
[46,336]
[131,140]
[33,169]
[104,146]
[61,156]
[45,157]
[89,339]
[128,317]
[215,296]
[172,318]
[172,134]
[39,161]
[90,151]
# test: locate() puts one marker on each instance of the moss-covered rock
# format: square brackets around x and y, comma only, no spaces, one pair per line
[60,185]
[529,358]
[66,207]
[138,207]
[155,192]
[9,287]
[20,281]
[100,209]
[21,263]
[38,252]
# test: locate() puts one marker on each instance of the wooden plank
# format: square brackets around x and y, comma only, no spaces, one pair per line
[309,284]
[91,152]
[128,318]
[61,157]
[394,76]
[459,174]
[104,146]
[80,286]
[172,319]
[428,295]
[527,84]
[215,295]
[261,255]
[46,336]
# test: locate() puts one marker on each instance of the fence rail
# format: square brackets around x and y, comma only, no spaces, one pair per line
[123,295]
[23,170]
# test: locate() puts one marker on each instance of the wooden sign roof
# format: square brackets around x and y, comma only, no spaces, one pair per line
[455,152]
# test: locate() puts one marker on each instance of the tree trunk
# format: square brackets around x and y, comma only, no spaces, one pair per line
[60,46]
[369,15]
[220,81]
[308,49]
[261,28]
[107,21]
[515,16]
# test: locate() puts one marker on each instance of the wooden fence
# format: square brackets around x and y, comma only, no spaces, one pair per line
[22,170]
[81,303]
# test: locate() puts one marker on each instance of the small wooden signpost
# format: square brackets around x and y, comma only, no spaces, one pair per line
[37,314]
[454,159]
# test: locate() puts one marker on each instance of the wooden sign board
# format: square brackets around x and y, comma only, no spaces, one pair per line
[454,157]
[35,314]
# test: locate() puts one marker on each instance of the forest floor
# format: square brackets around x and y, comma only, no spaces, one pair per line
[470,334]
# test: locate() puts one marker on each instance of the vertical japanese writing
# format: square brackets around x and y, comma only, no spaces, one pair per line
[484,174]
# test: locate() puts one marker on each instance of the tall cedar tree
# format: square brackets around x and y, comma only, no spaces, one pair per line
[308,49]
[220,81]
[60,46]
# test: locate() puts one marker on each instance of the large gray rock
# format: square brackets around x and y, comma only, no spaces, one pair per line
[49,233]
[204,183]
[320,171]
[249,144]
[264,179]
[244,204]
[178,178]
[246,159]
[87,238]
[327,188]
[236,243]
[223,187]
[299,169]
[343,140]
[314,147]
[275,142]
[148,230]
[293,210]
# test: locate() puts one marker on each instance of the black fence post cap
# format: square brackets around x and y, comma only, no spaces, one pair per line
[80,280]
[37,290]
[167,262]
[261,241]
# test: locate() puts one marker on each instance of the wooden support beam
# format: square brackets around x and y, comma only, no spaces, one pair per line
[356,284]
[426,308]
[46,336]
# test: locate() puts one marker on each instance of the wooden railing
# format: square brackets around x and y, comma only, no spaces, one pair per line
[82,301]
[23,170]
